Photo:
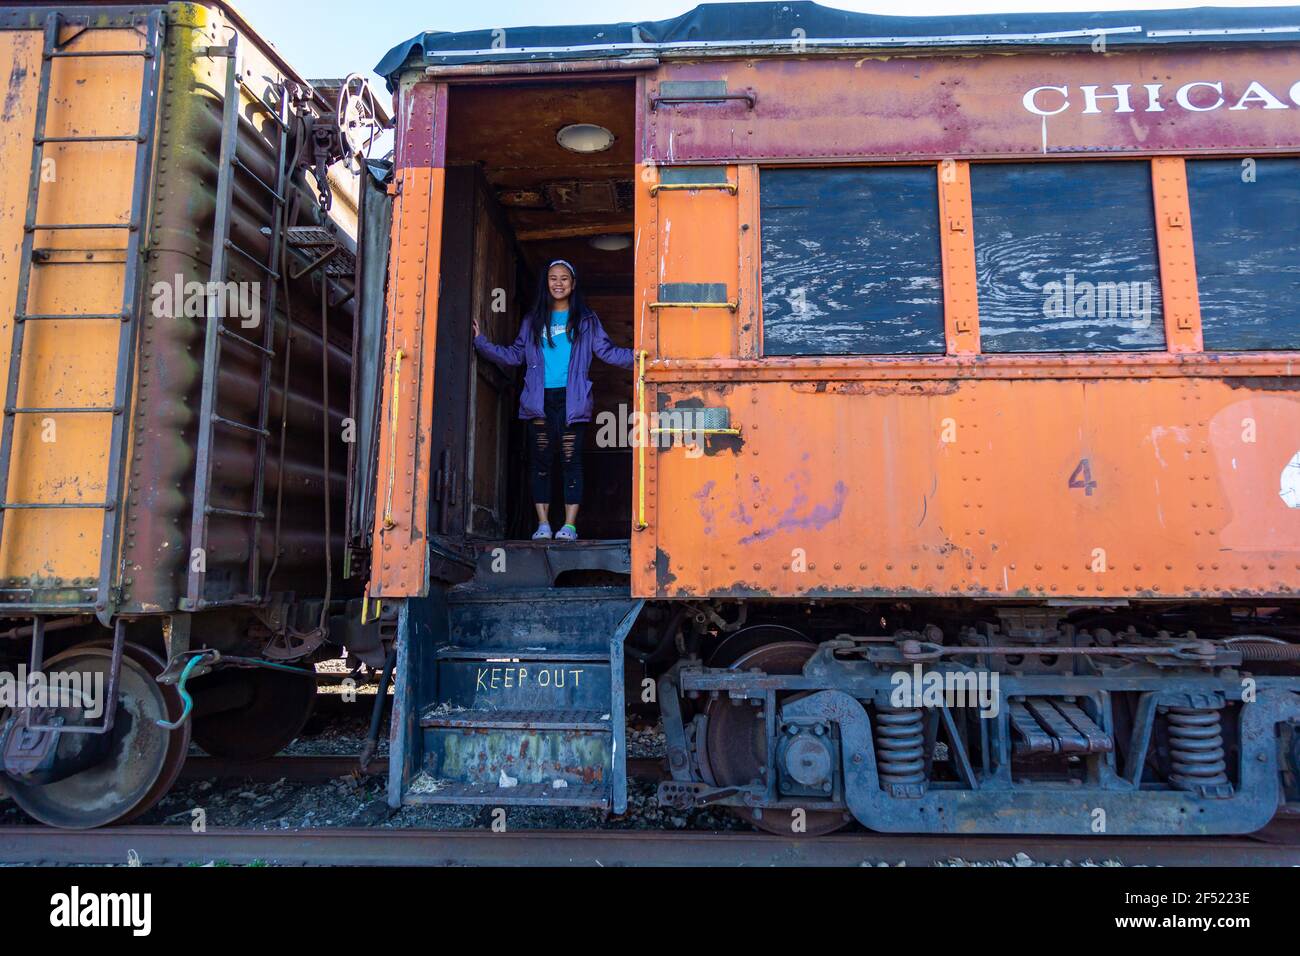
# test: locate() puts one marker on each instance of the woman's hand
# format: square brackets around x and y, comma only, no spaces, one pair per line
[474,325]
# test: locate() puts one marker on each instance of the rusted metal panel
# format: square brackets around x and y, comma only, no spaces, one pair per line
[53,556]
[916,368]
[952,488]
[828,444]
[525,755]
[749,319]
[698,246]
[156,546]
[1179,294]
[422,126]
[961,315]
[405,471]
[907,107]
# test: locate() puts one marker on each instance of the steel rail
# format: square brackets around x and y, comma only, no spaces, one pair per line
[177,845]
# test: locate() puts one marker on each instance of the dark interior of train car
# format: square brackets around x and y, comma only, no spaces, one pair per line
[528,182]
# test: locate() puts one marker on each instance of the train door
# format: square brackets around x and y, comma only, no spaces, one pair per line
[494,181]
[544,171]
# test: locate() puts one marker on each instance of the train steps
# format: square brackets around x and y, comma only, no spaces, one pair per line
[527,708]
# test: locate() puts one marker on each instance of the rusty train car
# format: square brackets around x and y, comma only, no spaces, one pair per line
[178,257]
[957,485]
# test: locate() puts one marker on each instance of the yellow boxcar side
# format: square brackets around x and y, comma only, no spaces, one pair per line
[63,458]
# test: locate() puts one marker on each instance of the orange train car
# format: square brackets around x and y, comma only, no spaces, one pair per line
[956,483]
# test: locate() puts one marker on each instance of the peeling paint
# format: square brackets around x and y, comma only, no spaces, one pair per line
[14,92]
[663,568]
[926,387]
[817,518]
[1264,383]
[705,497]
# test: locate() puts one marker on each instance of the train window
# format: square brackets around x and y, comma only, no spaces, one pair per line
[851,261]
[1066,257]
[1246,227]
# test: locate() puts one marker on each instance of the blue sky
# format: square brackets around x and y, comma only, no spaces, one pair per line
[335,37]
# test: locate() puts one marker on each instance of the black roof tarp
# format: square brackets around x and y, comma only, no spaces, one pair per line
[776,22]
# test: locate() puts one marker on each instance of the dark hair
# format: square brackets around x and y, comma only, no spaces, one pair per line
[542,310]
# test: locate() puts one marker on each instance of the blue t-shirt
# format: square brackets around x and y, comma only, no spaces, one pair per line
[556,357]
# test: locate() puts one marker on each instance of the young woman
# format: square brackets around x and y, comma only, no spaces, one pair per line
[556,342]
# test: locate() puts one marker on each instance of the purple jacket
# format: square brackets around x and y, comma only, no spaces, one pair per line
[527,352]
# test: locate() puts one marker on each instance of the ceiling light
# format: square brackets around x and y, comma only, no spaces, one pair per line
[611,243]
[585,138]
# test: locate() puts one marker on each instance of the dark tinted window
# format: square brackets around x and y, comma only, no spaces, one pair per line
[1246,226]
[1066,257]
[851,261]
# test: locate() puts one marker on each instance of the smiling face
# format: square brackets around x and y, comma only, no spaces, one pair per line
[560,281]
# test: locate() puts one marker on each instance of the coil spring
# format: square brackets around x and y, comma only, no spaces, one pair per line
[900,746]
[1196,747]
[1265,651]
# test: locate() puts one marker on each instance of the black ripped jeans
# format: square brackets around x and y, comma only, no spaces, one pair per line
[546,436]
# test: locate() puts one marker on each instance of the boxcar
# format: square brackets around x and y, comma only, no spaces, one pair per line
[957,487]
[177,256]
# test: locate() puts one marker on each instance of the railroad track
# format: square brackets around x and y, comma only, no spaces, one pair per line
[1278,845]
[481,847]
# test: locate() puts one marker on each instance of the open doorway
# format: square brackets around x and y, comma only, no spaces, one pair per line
[517,199]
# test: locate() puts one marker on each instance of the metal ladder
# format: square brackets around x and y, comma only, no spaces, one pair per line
[217,336]
[52,50]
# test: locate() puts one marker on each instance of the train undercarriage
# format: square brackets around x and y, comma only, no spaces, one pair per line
[1025,724]
[237,683]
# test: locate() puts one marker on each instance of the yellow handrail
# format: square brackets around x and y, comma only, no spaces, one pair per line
[366,618]
[389,523]
[695,431]
[660,187]
[641,441]
[733,306]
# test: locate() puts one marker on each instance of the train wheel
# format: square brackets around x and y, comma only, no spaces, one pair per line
[737,645]
[736,746]
[251,713]
[141,759]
